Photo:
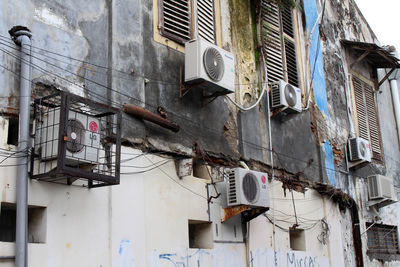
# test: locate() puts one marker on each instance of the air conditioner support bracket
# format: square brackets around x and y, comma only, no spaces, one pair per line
[379,203]
[213,96]
[185,88]
[247,212]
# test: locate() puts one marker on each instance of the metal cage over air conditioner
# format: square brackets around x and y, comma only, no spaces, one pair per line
[76,140]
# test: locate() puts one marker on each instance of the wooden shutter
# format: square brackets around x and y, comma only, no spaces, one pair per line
[272,45]
[205,20]
[279,43]
[175,18]
[373,124]
[368,125]
[290,48]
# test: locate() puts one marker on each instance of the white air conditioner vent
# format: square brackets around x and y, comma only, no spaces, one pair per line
[359,150]
[206,62]
[285,95]
[247,187]
[380,187]
[82,139]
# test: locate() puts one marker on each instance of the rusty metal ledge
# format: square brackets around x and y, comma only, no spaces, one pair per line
[247,212]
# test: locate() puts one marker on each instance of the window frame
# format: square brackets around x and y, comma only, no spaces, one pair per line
[380,233]
[375,155]
[283,37]
[192,21]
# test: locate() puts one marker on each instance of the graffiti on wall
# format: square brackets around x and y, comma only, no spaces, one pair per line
[229,256]
[269,257]
[199,258]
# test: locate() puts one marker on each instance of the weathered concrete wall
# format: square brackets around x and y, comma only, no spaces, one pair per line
[144,222]
[132,67]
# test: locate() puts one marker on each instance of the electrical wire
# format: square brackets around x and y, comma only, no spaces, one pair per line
[150,79]
[175,181]
[260,147]
[252,106]
[313,165]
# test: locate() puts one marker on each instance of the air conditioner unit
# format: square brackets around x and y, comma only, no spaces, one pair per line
[247,187]
[206,62]
[284,95]
[82,137]
[359,150]
[381,187]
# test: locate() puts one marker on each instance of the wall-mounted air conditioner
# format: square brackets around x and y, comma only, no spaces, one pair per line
[206,62]
[247,187]
[82,138]
[359,150]
[285,95]
[77,140]
[381,187]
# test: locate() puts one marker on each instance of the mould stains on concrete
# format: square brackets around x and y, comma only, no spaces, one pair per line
[243,39]
[231,133]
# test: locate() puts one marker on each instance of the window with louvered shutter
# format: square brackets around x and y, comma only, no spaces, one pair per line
[177,17]
[367,116]
[205,20]
[278,36]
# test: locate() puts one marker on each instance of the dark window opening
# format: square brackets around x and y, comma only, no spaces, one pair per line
[200,235]
[297,239]
[36,223]
[13,127]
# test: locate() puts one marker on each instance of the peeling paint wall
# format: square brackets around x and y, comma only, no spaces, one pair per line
[106,51]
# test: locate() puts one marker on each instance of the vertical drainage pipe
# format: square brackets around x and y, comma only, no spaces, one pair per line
[21,36]
[396,104]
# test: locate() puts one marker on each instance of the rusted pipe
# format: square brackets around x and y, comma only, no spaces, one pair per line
[144,114]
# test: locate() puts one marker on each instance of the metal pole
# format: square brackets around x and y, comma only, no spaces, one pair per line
[396,104]
[21,36]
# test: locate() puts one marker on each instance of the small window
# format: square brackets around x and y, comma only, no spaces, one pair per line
[278,35]
[200,235]
[36,223]
[297,239]
[367,115]
[12,137]
[182,20]
[383,241]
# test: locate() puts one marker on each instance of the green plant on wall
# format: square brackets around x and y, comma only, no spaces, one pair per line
[286,3]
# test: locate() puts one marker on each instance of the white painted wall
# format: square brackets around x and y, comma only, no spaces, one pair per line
[144,221]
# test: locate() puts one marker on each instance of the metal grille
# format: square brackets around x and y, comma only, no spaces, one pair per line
[373,186]
[250,187]
[367,117]
[205,20]
[232,198]
[382,239]
[278,43]
[77,141]
[176,19]
[213,64]
[276,95]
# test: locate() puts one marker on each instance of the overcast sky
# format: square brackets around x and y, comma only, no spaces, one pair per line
[383,16]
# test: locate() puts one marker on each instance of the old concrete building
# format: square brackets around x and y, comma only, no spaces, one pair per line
[300,92]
